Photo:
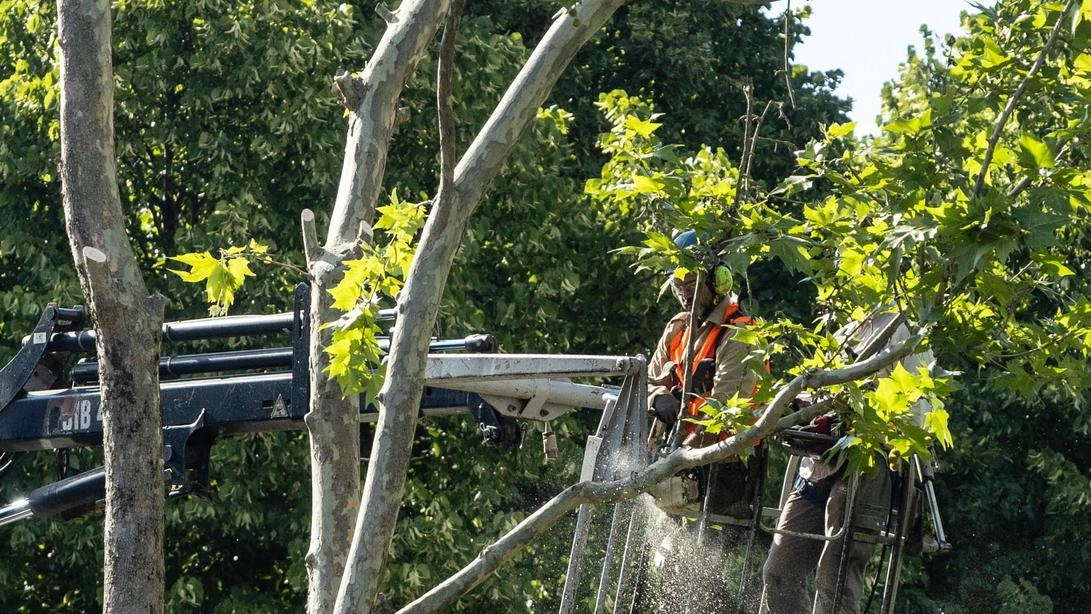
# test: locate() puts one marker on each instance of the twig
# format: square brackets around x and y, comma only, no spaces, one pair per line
[746,142]
[754,140]
[787,48]
[443,97]
[1010,107]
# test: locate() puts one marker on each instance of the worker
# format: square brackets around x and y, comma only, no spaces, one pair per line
[719,371]
[817,505]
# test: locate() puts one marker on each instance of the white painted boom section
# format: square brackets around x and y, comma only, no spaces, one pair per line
[445,369]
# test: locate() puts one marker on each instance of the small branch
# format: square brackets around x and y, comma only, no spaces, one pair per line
[349,90]
[364,234]
[98,270]
[388,16]
[754,140]
[994,138]
[443,97]
[746,142]
[311,249]
[787,50]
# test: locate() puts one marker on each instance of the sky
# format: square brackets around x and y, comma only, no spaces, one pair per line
[867,39]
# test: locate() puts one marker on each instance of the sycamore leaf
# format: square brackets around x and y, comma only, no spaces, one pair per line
[936,423]
[1033,153]
[258,248]
[647,185]
[836,131]
[201,266]
[1053,266]
[641,127]
[1082,63]
[239,268]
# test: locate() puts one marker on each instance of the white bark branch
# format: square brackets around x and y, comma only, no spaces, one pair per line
[371,123]
[332,420]
[484,158]
[419,302]
[769,423]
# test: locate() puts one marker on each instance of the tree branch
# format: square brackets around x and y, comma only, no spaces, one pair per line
[771,422]
[487,153]
[127,320]
[332,418]
[443,97]
[420,297]
[787,51]
[371,120]
[311,248]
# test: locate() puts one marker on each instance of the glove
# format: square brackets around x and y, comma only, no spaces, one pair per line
[704,376]
[665,409]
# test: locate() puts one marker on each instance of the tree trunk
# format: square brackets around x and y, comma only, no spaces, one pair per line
[333,421]
[128,321]
[419,302]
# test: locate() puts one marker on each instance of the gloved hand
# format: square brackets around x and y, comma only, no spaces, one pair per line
[704,376]
[665,409]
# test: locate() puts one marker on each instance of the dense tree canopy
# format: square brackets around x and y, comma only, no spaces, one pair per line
[226,129]
[969,213]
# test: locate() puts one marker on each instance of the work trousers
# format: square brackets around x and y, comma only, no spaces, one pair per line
[819,508]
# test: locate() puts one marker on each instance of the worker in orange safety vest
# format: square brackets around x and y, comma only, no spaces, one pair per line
[719,369]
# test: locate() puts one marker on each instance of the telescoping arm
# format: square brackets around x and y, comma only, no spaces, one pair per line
[59,499]
[207,395]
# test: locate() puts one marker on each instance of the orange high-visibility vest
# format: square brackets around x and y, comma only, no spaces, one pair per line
[677,349]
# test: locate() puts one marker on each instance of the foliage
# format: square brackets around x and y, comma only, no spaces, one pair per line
[1019,478]
[225,130]
[223,133]
[539,258]
[378,274]
[969,215]
[222,276]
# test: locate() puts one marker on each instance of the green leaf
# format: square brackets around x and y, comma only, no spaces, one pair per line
[1053,266]
[644,128]
[647,185]
[1033,153]
[935,422]
[201,264]
[1082,63]
[239,268]
[836,131]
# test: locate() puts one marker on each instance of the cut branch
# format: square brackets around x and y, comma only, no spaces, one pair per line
[769,423]
[443,97]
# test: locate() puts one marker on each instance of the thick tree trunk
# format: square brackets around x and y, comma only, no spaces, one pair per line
[333,421]
[420,298]
[128,321]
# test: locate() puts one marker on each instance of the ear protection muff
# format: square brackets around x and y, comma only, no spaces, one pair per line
[720,279]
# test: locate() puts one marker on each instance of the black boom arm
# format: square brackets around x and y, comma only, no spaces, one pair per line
[45,404]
